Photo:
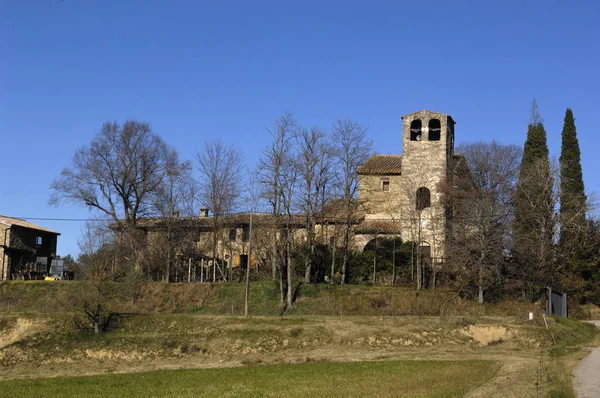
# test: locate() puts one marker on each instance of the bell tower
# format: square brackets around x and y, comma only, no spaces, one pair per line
[427,153]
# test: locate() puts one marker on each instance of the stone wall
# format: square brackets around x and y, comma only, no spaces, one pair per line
[424,164]
[377,203]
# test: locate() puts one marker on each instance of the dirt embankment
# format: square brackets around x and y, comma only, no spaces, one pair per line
[53,347]
[20,329]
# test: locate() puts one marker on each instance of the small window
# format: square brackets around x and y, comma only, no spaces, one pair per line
[245,234]
[423,198]
[331,241]
[415,130]
[385,185]
[38,240]
[435,130]
[232,235]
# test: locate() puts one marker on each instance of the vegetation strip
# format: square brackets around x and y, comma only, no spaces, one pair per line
[381,379]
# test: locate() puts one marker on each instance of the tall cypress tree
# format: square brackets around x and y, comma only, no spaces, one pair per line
[533,226]
[572,193]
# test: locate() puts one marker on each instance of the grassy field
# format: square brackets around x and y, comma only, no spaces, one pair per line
[189,340]
[327,379]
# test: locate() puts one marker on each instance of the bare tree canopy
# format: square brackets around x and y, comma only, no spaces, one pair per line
[221,171]
[274,158]
[177,194]
[273,165]
[351,149]
[117,174]
[494,169]
[314,161]
[482,203]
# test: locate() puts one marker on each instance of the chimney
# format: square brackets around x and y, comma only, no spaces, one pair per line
[203,212]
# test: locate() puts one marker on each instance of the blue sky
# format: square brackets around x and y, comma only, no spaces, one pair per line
[199,70]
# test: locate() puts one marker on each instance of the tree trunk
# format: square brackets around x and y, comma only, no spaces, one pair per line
[394,263]
[375,262]
[419,276]
[480,293]
[289,276]
[481,276]
[310,237]
[345,258]
[281,290]
[274,258]
[333,261]
[168,267]
[307,267]
[419,266]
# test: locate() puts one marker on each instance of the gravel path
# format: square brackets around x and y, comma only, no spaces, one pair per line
[587,375]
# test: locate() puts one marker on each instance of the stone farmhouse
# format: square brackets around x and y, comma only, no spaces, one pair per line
[26,249]
[400,195]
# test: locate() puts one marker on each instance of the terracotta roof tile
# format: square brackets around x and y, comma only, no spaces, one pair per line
[379,227]
[229,221]
[382,165]
[335,211]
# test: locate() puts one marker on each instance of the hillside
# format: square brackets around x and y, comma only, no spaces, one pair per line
[190,326]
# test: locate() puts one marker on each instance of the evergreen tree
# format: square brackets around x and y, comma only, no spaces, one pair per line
[533,226]
[573,222]
[577,261]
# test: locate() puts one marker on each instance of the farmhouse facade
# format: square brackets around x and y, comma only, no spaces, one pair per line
[26,249]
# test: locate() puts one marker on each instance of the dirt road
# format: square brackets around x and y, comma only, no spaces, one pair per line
[587,375]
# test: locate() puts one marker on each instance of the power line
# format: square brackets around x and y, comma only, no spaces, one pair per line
[334,218]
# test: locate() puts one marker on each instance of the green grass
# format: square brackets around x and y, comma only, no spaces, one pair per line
[320,379]
[569,335]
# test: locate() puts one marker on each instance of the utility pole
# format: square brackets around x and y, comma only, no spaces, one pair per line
[247,298]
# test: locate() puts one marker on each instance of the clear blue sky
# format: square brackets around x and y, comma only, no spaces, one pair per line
[199,70]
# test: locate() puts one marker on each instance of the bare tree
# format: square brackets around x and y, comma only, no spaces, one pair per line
[352,149]
[175,198]
[117,174]
[482,203]
[288,186]
[96,244]
[314,161]
[538,192]
[271,172]
[221,173]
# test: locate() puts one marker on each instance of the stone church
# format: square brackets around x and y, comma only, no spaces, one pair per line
[402,195]
[398,196]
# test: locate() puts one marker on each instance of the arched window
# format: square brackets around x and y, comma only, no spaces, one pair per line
[415,130]
[423,198]
[435,129]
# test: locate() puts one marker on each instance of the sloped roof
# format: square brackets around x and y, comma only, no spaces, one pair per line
[229,221]
[335,211]
[379,227]
[382,165]
[459,166]
[10,221]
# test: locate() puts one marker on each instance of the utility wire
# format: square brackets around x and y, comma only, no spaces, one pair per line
[332,218]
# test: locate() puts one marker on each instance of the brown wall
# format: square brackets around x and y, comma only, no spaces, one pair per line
[23,249]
